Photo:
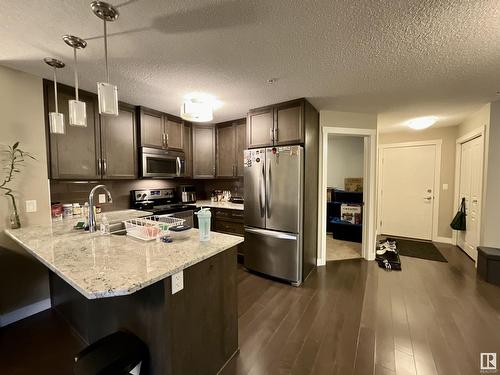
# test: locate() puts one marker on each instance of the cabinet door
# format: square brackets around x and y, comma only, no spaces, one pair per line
[152,130]
[174,133]
[260,127]
[226,151]
[203,151]
[188,150]
[119,146]
[289,124]
[74,155]
[240,130]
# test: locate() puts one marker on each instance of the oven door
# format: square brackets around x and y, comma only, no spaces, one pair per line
[161,163]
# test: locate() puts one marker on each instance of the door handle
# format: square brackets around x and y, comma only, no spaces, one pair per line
[271,233]
[268,191]
[262,191]
[177,166]
[427,198]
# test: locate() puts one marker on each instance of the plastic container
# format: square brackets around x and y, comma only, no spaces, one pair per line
[67,210]
[179,232]
[204,218]
[77,209]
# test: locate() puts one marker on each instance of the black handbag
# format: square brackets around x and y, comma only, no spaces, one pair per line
[459,221]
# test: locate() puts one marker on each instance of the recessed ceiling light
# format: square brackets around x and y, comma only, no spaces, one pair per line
[420,123]
[272,80]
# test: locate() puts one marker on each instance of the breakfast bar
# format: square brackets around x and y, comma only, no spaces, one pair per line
[104,283]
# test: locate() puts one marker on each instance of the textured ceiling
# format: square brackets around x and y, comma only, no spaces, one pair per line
[400,59]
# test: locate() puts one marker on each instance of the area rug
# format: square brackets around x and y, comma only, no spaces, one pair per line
[418,249]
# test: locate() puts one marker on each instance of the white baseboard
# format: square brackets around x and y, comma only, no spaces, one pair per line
[447,240]
[24,312]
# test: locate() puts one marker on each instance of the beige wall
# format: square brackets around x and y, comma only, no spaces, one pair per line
[348,119]
[448,135]
[23,280]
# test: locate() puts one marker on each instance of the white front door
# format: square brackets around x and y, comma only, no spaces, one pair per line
[471,176]
[407,191]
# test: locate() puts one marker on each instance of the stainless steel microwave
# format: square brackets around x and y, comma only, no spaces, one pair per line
[156,163]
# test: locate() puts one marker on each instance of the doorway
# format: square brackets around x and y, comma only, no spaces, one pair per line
[469,185]
[344,206]
[367,137]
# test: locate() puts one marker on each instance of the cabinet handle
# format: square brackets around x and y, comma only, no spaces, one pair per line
[105,166]
[271,134]
[99,166]
[166,140]
[275,138]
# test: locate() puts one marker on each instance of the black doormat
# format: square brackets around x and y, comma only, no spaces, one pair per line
[418,249]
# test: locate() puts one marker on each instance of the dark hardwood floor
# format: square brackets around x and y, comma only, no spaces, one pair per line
[349,317]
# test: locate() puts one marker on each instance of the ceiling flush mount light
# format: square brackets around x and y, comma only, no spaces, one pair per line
[77,110]
[420,123]
[106,92]
[198,108]
[56,119]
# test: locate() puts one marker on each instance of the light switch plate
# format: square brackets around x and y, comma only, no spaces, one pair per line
[102,198]
[177,282]
[445,187]
[31,206]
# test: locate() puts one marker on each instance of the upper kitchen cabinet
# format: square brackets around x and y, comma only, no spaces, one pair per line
[119,145]
[151,128]
[277,125]
[203,151]
[160,130]
[230,146]
[75,154]
[260,124]
[174,132]
[188,149]
[105,149]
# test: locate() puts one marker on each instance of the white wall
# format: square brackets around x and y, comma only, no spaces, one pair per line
[23,280]
[345,159]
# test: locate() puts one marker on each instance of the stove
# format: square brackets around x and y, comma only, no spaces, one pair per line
[158,201]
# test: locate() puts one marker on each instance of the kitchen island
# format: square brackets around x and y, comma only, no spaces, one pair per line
[103,283]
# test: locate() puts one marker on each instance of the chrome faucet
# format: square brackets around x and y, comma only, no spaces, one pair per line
[92,223]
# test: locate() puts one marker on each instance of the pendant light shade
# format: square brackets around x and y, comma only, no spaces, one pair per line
[197,110]
[56,119]
[77,109]
[106,92]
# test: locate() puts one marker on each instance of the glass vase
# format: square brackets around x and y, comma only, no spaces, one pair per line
[15,223]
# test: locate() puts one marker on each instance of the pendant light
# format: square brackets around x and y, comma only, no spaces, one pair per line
[77,109]
[106,92]
[56,119]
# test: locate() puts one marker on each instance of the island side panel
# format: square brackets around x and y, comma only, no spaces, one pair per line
[205,333]
[194,331]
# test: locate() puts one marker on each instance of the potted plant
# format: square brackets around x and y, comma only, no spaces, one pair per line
[12,165]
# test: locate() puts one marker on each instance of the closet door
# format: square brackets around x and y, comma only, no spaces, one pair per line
[471,176]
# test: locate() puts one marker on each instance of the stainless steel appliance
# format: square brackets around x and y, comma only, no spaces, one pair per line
[156,163]
[162,202]
[188,193]
[273,211]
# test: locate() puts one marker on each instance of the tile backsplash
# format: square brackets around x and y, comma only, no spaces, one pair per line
[73,192]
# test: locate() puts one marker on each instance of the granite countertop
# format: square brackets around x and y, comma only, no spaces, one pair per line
[226,205]
[100,266]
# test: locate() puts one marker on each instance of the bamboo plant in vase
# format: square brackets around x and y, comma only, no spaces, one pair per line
[13,162]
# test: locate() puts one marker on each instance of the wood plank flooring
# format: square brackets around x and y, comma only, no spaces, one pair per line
[349,317]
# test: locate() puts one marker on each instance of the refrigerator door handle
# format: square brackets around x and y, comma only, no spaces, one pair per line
[268,190]
[262,192]
[271,233]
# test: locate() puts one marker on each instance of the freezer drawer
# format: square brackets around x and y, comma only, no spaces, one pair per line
[273,253]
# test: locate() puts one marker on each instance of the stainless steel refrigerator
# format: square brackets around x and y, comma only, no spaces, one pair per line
[273,211]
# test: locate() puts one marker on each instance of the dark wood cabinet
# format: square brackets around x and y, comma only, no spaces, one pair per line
[230,146]
[203,151]
[260,125]
[160,130]
[188,149]
[105,149]
[276,125]
[75,154]
[229,222]
[119,145]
